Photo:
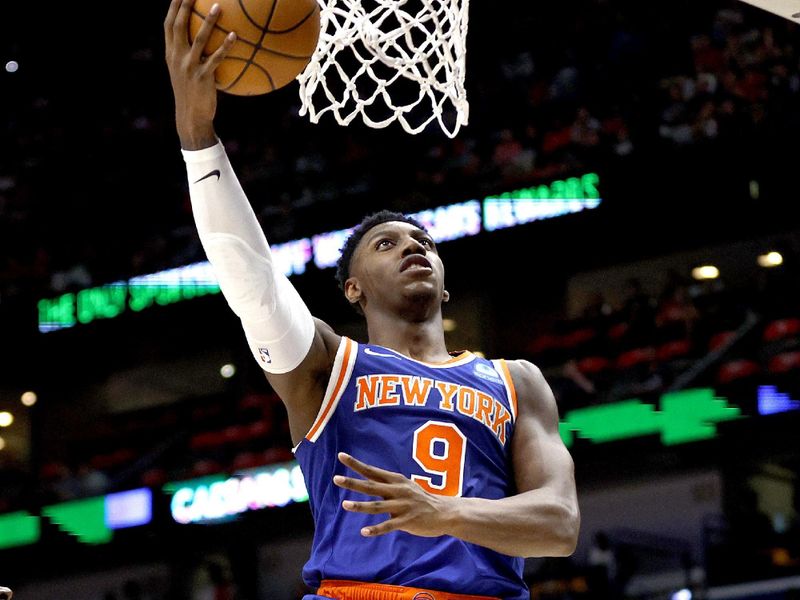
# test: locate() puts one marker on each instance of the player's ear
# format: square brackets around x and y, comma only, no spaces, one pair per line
[352,290]
[445,296]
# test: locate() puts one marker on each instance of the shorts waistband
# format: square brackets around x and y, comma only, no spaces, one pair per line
[338,589]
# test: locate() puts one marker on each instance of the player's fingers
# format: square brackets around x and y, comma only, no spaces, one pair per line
[368,471]
[363,486]
[200,40]
[169,20]
[215,59]
[381,528]
[372,508]
[180,26]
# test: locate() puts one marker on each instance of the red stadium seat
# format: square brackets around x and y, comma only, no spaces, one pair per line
[206,467]
[574,339]
[635,357]
[674,349]
[719,339]
[206,439]
[248,460]
[592,365]
[780,329]
[258,429]
[154,477]
[543,343]
[615,332]
[784,362]
[235,434]
[737,370]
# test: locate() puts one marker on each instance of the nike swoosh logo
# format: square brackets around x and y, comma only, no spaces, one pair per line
[213,173]
[372,352]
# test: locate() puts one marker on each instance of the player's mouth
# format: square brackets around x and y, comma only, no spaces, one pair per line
[415,262]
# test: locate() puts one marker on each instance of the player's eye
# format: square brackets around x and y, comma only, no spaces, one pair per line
[383,243]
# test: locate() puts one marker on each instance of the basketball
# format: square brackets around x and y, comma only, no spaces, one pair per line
[275,41]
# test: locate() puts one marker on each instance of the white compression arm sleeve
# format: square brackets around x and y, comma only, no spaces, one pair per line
[278,325]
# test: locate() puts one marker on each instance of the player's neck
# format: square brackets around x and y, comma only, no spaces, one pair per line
[422,341]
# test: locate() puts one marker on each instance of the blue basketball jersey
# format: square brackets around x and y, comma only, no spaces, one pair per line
[446,426]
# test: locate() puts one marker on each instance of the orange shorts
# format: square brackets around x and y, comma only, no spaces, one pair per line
[356,590]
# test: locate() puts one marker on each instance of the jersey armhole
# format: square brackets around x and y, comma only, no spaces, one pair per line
[340,376]
[502,368]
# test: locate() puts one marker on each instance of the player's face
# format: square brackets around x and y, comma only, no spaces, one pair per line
[396,260]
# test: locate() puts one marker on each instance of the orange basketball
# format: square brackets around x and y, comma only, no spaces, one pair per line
[275,41]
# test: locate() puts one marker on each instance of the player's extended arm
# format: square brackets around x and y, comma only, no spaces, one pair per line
[542,519]
[278,325]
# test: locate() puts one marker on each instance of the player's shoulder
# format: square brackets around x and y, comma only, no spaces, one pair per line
[530,384]
[524,371]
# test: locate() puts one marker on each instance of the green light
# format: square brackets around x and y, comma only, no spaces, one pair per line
[104,302]
[19,529]
[85,519]
[146,295]
[57,313]
[685,416]
[617,421]
[689,415]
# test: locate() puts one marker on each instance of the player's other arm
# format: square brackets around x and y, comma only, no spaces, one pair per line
[543,518]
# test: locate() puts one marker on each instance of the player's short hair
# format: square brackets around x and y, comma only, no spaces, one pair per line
[358,233]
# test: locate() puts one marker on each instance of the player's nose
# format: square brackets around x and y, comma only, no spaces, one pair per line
[412,245]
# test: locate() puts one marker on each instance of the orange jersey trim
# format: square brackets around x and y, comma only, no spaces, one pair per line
[342,368]
[512,392]
[338,589]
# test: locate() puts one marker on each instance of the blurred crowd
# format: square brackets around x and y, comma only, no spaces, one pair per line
[90,195]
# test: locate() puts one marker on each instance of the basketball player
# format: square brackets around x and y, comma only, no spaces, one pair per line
[430,474]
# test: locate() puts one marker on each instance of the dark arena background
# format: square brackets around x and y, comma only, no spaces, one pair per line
[621,210]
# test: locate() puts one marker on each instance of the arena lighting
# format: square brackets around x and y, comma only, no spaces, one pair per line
[445,223]
[12,66]
[6,418]
[227,371]
[28,398]
[2,443]
[755,190]
[449,325]
[705,272]
[770,259]
[683,594]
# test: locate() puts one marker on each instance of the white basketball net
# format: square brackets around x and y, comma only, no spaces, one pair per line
[389,60]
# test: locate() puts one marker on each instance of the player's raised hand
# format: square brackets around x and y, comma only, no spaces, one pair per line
[192,75]
[410,508]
